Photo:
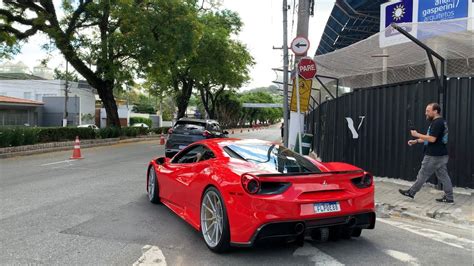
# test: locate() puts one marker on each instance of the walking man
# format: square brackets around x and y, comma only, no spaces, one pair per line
[436,156]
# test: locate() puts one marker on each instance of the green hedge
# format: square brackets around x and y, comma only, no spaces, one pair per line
[54,134]
[18,136]
[160,130]
[134,120]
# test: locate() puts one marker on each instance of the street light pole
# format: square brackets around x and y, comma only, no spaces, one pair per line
[66,97]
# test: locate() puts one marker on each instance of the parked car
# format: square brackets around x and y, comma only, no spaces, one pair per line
[88,126]
[189,130]
[140,125]
[238,192]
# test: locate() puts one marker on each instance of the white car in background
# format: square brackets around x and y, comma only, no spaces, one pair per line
[88,126]
[140,125]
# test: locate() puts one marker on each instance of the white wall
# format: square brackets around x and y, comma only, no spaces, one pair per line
[36,89]
[123,112]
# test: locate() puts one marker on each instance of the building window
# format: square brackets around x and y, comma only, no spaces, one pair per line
[27,95]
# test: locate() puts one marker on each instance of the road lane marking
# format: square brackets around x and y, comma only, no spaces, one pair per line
[401,256]
[442,237]
[152,255]
[316,256]
[65,161]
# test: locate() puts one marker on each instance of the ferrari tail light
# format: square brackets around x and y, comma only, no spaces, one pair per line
[364,181]
[250,183]
[170,131]
[206,134]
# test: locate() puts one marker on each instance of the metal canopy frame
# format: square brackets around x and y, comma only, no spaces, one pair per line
[440,79]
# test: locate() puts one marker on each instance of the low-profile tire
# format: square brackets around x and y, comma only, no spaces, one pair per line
[356,232]
[153,190]
[214,221]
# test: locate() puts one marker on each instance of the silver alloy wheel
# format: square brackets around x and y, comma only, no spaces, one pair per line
[212,218]
[151,184]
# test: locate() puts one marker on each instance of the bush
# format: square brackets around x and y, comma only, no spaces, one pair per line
[6,136]
[65,133]
[17,136]
[109,132]
[160,130]
[134,120]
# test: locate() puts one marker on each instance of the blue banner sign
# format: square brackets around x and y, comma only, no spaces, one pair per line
[436,10]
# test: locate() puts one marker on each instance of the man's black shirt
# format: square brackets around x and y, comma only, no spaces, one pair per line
[436,129]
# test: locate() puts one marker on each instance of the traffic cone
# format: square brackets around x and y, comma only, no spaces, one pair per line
[162,139]
[76,153]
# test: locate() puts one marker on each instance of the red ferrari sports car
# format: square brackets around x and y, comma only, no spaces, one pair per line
[237,192]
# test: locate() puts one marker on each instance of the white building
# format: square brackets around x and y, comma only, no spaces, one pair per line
[37,89]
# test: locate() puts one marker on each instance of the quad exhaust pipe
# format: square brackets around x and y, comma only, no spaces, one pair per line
[352,221]
[299,228]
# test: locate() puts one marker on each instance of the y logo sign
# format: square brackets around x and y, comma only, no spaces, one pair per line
[350,124]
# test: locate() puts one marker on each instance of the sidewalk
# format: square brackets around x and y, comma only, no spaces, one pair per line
[390,202]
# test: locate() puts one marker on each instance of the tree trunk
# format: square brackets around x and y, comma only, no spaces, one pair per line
[107,97]
[185,95]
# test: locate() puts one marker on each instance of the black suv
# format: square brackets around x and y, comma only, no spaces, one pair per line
[189,130]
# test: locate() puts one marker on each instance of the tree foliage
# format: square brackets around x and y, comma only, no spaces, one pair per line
[62,75]
[107,42]
[217,62]
[267,115]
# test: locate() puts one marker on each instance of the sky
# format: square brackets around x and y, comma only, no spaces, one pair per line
[262,30]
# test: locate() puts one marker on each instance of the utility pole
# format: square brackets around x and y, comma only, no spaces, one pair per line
[303,22]
[66,97]
[285,73]
[296,123]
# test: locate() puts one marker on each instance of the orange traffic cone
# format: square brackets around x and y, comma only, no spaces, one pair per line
[76,153]
[162,139]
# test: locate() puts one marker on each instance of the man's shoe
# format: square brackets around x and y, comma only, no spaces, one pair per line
[406,193]
[445,200]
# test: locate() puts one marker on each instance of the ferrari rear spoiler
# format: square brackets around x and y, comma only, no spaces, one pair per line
[312,173]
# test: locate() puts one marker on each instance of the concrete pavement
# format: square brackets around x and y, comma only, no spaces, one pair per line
[424,206]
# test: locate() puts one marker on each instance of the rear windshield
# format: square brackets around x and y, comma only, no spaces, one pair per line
[272,157]
[191,127]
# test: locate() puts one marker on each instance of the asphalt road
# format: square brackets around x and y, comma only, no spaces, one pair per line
[95,211]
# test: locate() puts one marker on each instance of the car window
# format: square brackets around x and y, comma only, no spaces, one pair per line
[194,154]
[272,157]
[189,127]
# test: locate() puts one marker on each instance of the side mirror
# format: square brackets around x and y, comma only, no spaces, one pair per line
[163,160]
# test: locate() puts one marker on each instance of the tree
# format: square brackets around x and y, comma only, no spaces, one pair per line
[107,42]
[215,62]
[221,61]
[252,115]
[144,105]
[228,109]
[58,74]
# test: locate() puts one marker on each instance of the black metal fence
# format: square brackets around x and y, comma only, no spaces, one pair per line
[377,141]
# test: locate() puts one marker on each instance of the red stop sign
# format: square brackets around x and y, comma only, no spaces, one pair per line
[307,68]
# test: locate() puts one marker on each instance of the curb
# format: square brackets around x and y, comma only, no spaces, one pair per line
[105,142]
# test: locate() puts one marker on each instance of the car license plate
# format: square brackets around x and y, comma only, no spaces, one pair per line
[325,207]
[182,147]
